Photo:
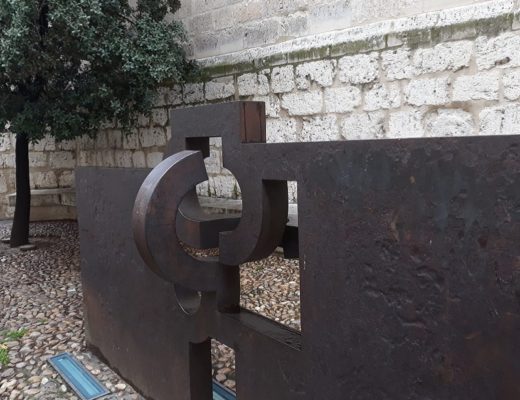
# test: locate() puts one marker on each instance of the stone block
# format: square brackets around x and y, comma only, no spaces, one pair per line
[451,56]
[320,129]
[37,159]
[174,96]
[511,80]
[114,138]
[7,160]
[397,64]
[501,51]
[152,137]
[259,33]
[219,89]
[143,120]
[501,120]
[131,140]
[48,143]
[342,99]
[481,86]
[43,180]
[449,122]
[406,124]
[320,72]
[138,159]
[282,79]
[253,84]
[86,158]
[303,103]
[193,93]
[66,179]
[159,117]
[360,126]
[3,184]
[358,69]
[382,96]
[86,143]
[123,158]
[433,91]
[282,130]
[5,142]
[62,159]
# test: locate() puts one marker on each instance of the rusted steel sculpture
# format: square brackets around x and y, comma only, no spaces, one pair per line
[409,261]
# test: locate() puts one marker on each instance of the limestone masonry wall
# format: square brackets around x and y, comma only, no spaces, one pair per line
[224,26]
[449,73]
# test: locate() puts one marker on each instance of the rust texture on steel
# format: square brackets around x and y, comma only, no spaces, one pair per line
[408,252]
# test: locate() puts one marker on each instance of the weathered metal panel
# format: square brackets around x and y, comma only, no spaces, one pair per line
[410,269]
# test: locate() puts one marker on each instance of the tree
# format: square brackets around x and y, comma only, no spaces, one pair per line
[68,66]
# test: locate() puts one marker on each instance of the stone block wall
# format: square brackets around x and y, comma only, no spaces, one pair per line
[448,73]
[224,26]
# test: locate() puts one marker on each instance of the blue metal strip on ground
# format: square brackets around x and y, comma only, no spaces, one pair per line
[86,386]
[222,393]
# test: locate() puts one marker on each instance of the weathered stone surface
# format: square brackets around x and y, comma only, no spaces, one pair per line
[397,64]
[445,56]
[193,93]
[282,79]
[159,117]
[5,142]
[131,141]
[86,158]
[281,130]
[342,99]
[139,159]
[482,86]
[7,160]
[221,88]
[174,95]
[403,124]
[123,158]
[433,91]
[502,120]
[511,81]
[43,180]
[362,68]
[364,126]
[150,137]
[67,145]
[320,129]
[253,84]
[48,143]
[449,123]
[321,72]
[37,159]
[383,96]
[62,159]
[303,103]
[502,51]
[3,184]
[66,179]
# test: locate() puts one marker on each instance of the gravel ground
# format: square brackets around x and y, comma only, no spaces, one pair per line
[41,313]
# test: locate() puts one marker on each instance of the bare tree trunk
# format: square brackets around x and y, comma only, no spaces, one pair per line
[20,230]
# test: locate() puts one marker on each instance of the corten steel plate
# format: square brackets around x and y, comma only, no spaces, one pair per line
[409,261]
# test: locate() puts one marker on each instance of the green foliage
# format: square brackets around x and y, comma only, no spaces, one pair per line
[67,66]
[4,355]
[7,336]
[16,335]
